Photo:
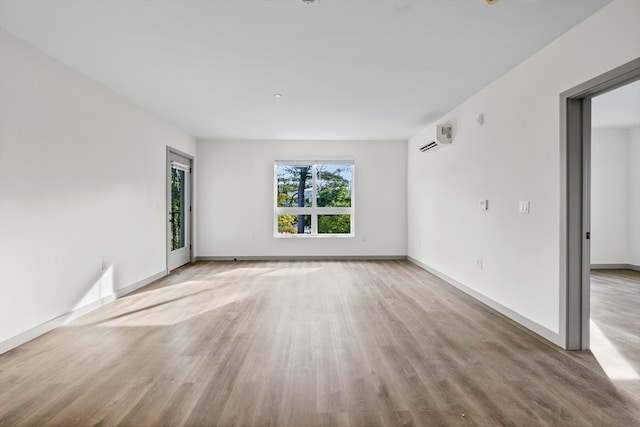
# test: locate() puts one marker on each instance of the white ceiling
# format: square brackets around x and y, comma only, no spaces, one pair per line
[347,69]
[619,109]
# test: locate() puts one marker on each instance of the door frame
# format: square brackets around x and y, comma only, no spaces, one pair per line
[575,209]
[169,151]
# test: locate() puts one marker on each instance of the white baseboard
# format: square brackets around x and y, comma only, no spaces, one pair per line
[139,284]
[615,267]
[303,257]
[538,329]
[43,328]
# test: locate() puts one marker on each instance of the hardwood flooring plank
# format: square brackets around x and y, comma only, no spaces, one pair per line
[318,343]
[118,405]
[180,406]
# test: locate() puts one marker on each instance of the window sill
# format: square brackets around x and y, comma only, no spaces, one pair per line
[313,236]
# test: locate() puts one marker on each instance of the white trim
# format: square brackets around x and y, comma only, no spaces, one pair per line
[43,328]
[615,267]
[534,327]
[140,284]
[311,160]
[177,165]
[304,258]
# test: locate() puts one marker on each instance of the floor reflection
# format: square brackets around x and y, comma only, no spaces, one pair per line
[615,328]
[615,365]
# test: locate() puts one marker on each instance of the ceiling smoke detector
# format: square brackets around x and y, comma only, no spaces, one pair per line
[490,1]
[310,2]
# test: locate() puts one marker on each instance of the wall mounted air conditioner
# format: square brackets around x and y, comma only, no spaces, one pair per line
[443,138]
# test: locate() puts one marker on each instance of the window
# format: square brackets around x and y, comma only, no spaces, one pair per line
[313,198]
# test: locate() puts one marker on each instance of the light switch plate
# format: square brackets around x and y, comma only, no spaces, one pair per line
[484,204]
[524,207]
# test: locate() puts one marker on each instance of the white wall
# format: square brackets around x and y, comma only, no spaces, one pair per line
[611,166]
[634,196]
[82,182]
[514,156]
[236,199]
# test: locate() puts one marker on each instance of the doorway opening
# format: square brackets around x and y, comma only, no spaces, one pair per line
[179,209]
[614,323]
[575,218]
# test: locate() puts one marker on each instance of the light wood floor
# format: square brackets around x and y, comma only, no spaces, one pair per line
[304,343]
[615,325]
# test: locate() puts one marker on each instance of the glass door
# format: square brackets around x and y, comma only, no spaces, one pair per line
[179,212]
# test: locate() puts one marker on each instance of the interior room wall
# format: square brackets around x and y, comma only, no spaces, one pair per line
[634,196]
[513,157]
[236,199]
[610,196]
[82,184]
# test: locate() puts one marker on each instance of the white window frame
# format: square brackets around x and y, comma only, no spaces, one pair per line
[313,210]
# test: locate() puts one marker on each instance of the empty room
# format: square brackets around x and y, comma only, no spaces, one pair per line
[319,212]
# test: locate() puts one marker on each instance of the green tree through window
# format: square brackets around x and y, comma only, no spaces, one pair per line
[314,198]
[177,208]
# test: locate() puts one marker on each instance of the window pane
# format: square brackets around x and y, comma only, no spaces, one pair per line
[294,186]
[333,185]
[177,208]
[294,224]
[334,224]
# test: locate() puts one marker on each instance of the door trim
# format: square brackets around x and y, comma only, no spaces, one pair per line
[167,168]
[575,147]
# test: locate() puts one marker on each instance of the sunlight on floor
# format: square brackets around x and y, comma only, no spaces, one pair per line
[244,272]
[269,272]
[179,302]
[168,305]
[612,362]
[290,272]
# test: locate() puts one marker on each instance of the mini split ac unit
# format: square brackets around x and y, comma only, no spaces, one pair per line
[443,138]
